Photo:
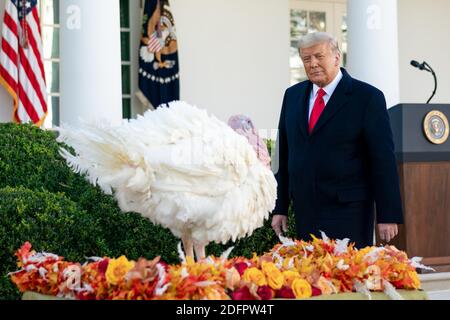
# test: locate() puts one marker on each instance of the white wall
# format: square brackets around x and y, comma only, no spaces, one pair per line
[6,102]
[423,35]
[234,56]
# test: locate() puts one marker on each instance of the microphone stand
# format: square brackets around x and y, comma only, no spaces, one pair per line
[429,69]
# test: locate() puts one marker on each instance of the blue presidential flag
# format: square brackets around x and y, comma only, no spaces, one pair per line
[159,81]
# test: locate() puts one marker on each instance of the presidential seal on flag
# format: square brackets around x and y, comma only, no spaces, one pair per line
[158,56]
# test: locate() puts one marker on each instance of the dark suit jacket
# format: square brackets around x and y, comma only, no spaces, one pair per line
[335,175]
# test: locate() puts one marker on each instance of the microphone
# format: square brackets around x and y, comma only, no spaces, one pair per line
[418,65]
[425,66]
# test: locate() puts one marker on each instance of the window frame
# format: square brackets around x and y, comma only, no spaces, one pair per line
[126,109]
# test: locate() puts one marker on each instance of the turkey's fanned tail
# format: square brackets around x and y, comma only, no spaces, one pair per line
[108,160]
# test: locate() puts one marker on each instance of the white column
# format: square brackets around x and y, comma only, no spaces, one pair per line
[90,72]
[6,102]
[373,54]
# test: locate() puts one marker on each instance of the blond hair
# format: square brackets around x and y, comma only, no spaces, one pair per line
[312,39]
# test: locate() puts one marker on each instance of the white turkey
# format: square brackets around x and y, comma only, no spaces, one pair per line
[182,169]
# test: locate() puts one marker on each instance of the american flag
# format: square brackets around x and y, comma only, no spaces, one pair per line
[154,44]
[21,64]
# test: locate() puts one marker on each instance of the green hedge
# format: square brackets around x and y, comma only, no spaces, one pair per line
[29,157]
[49,221]
[40,193]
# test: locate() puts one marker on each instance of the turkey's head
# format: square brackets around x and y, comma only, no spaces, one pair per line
[244,126]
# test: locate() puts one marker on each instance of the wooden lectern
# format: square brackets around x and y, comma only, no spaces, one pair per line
[422,149]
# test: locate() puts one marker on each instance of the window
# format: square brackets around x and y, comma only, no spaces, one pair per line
[125,43]
[50,27]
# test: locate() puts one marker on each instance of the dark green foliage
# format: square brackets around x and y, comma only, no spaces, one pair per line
[50,221]
[270,146]
[42,201]
[29,157]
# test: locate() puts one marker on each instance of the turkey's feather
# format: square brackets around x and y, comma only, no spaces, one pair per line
[179,167]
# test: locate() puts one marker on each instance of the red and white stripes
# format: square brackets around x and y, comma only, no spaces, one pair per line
[154,44]
[21,67]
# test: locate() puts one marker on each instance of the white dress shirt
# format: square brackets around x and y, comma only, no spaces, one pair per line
[329,89]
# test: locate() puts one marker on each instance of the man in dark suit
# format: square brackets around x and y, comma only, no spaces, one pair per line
[335,153]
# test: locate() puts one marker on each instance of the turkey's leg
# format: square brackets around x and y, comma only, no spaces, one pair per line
[199,251]
[188,246]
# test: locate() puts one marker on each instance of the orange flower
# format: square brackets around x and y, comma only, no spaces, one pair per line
[326,286]
[306,266]
[214,294]
[232,278]
[288,263]
[290,276]
[274,276]
[301,288]
[414,280]
[117,269]
[254,275]
[23,253]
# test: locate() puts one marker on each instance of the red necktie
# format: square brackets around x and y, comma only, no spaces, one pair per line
[318,107]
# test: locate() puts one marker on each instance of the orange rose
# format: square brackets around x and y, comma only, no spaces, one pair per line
[290,276]
[117,269]
[274,276]
[254,275]
[301,288]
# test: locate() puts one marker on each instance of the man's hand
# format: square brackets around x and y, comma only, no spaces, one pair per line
[387,231]
[279,222]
